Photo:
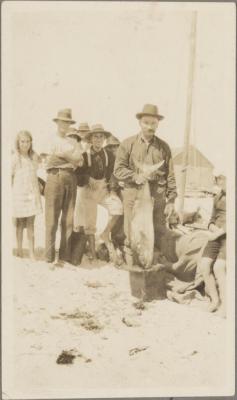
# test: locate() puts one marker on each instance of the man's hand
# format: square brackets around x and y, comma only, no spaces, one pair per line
[213,228]
[153,176]
[140,179]
[80,162]
[121,184]
[216,234]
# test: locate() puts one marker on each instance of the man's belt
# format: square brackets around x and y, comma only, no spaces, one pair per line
[56,170]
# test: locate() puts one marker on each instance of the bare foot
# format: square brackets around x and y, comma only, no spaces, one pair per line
[56,264]
[19,253]
[182,288]
[59,263]
[213,306]
[221,311]
[104,237]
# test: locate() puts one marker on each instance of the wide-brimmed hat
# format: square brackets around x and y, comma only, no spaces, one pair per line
[150,110]
[83,127]
[65,115]
[97,128]
[73,132]
[112,141]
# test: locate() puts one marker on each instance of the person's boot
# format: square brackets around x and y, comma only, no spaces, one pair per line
[91,242]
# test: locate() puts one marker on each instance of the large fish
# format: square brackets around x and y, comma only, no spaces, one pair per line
[142,229]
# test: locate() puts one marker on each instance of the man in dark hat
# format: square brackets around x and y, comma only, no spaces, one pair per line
[60,191]
[94,176]
[146,149]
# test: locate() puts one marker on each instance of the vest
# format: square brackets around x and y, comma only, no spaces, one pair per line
[88,152]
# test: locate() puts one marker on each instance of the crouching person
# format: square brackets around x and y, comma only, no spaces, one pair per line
[213,262]
[95,177]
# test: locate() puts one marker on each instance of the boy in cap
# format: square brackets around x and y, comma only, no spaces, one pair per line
[60,189]
[95,176]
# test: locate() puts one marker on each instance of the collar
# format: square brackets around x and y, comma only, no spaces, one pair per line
[143,140]
[95,152]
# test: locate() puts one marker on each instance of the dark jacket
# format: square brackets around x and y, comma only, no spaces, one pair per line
[97,165]
[134,150]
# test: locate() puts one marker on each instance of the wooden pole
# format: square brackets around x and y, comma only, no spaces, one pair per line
[188,111]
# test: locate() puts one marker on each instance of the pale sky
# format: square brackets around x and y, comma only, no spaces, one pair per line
[105,60]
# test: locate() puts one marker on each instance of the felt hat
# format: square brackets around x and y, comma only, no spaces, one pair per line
[65,115]
[112,141]
[83,127]
[73,132]
[97,128]
[149,110]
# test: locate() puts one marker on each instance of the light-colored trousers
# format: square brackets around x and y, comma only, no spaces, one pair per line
[79,211]
[99,195]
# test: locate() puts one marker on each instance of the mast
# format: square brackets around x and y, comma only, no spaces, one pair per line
[188,111]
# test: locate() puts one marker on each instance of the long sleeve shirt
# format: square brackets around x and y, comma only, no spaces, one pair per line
[218,216]
[97,165]
[60,145]
[135,151]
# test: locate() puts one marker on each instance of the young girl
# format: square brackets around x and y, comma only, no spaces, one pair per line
[26,194]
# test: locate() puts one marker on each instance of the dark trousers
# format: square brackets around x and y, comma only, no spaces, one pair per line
[60,196]
[129,198]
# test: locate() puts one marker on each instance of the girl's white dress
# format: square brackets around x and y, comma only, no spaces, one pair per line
[26,200]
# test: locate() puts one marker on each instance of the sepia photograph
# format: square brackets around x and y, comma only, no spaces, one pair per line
[118,199]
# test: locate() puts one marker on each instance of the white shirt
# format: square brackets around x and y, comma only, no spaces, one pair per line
[59,145]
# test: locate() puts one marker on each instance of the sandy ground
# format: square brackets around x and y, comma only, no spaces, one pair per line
[91,311]
[84,309]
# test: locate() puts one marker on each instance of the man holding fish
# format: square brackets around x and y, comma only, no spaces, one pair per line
[144,161]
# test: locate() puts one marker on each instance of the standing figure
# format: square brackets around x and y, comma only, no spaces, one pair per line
[112,145]
[213,262]
[26,194]
[83,130]
[79,212]
[60,191]
[134,156]
[95,176]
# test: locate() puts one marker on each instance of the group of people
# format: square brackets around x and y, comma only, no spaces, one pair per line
[87,167]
